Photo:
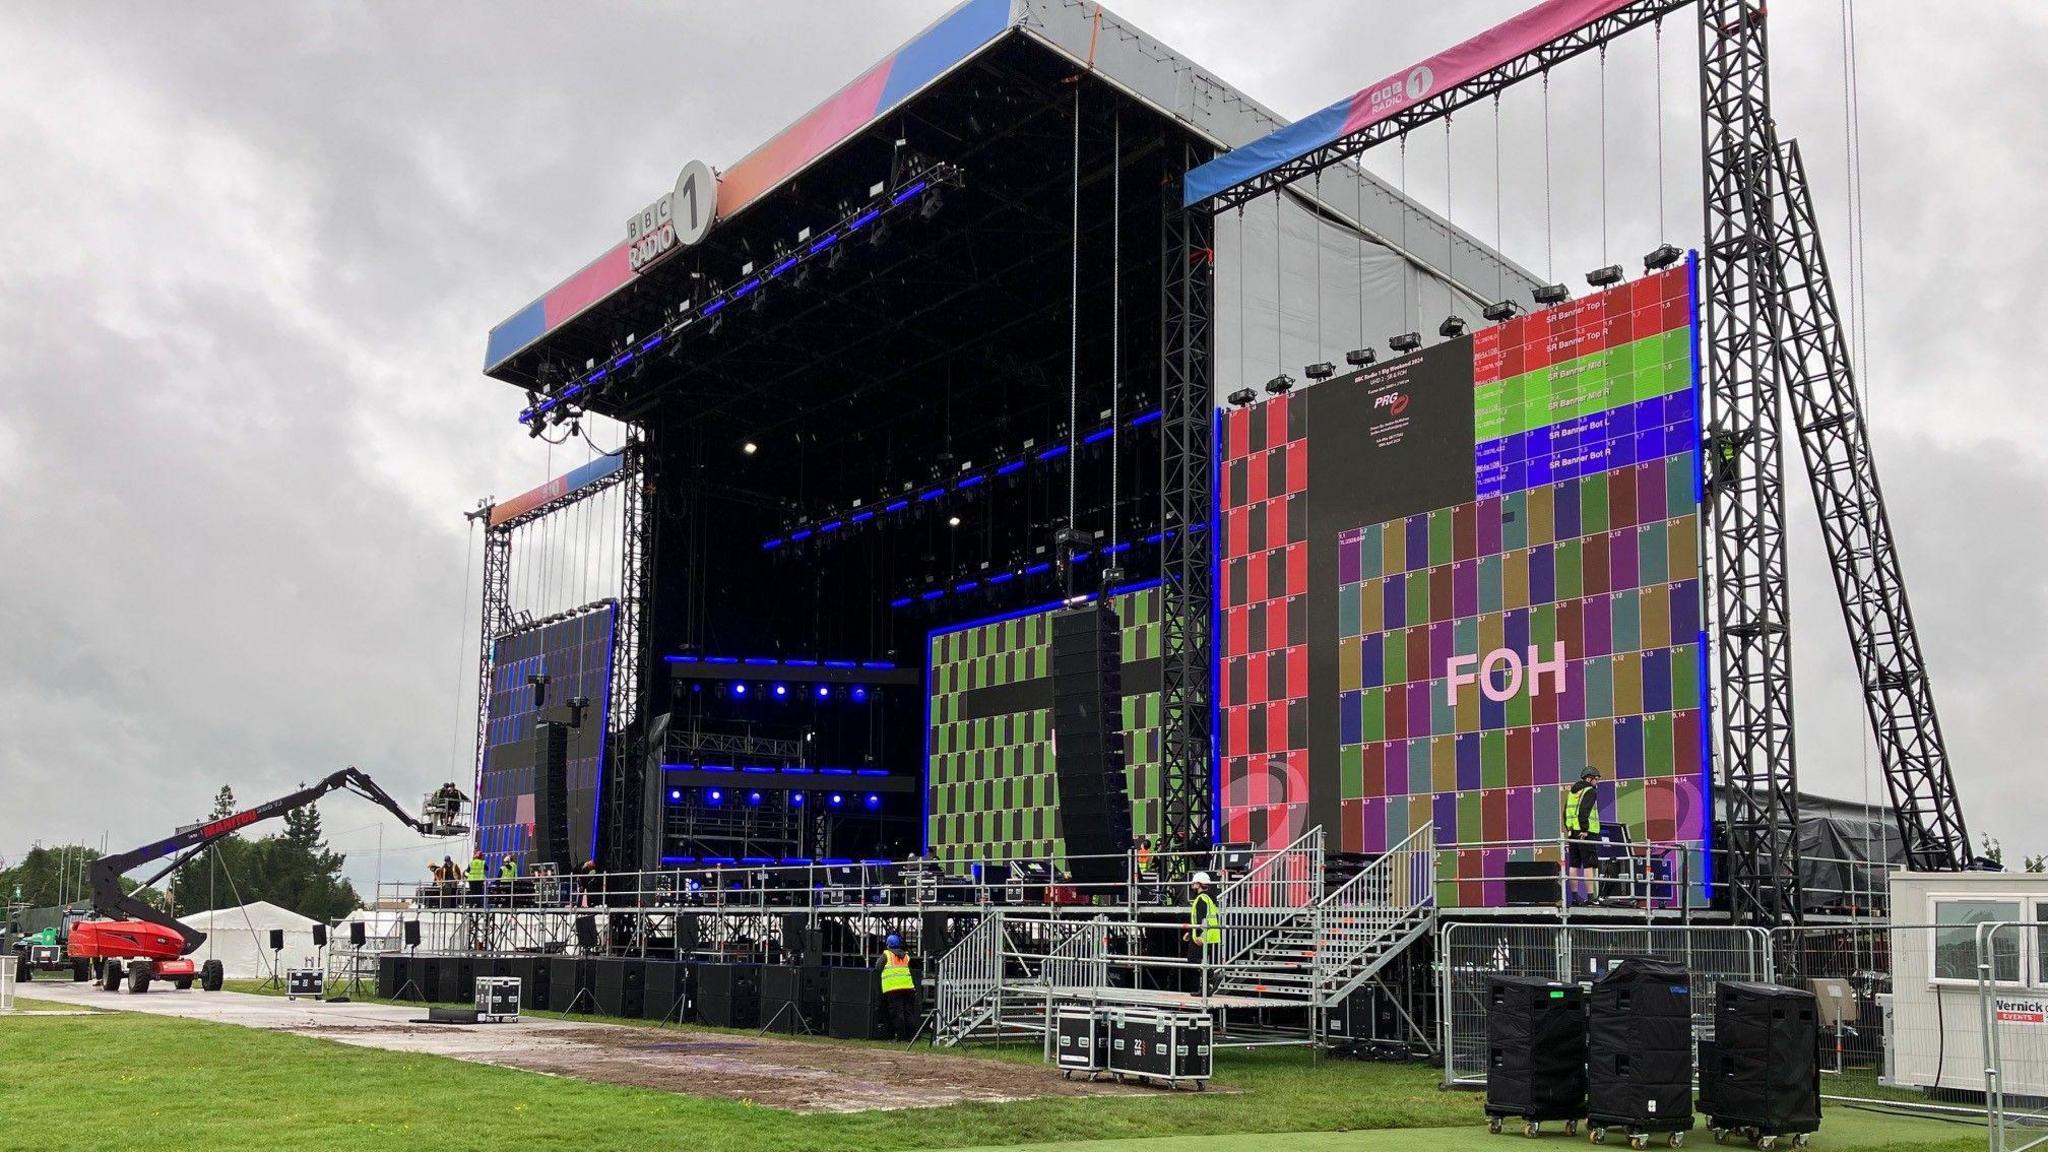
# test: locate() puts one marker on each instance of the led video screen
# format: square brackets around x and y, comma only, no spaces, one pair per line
[990,788]
[1450,582]
[575,654]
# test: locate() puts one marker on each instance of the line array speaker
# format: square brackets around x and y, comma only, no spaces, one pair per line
[551,795]
[1088,741]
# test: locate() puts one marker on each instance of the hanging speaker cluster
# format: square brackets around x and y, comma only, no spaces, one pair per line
[1088,741]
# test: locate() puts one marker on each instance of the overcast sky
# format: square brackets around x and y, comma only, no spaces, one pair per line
[247,264]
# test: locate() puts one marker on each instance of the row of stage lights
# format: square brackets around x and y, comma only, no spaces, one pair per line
[863,512]
[783,693]
[716,797]
[1043,568]
[1454,326]
[794,264]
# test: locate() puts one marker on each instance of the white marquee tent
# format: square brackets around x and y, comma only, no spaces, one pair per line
[239,938]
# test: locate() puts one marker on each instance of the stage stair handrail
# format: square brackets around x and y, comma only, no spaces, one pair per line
[1367,920]
[1278,890]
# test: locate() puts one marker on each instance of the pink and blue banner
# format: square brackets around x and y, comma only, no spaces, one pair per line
[1447,69]
[573,480]
[938,49]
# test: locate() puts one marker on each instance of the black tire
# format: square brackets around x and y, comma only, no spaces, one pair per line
[81,970]
[110,978]
[22,972]
[212,975]
[138,979]
[184,983]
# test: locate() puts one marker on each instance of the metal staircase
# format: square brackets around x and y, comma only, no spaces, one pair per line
[969,980]
[1318,955]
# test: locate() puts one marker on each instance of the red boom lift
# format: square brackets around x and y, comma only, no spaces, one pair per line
[156,946]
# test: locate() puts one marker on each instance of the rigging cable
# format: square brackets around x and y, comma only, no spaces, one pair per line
[1407,253]
[1549,260]
[1116,328]
[1074,321]
[1603,155]
[1659,39]
[1319,263]
[1450,235]
[1500,264]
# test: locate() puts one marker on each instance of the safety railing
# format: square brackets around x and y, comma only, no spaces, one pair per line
[1278,890]
[1648,877]
[969,981]
[1081,960]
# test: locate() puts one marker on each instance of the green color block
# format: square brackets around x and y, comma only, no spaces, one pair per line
[1599,687]
[1652,558]
[1566,559]
[1517,710]
[1657,759]
[1514,521]
[1441,543]
[1471,816]
[1418,598]
[1685,675]
[1394,646]
[1543,626]
[1593,504]
[1678,486]
[1373,714]
[1347,610]
[1493,770]
[1351,770]
[1625,611]
[1370,554]
[1490,579]
[1571,749]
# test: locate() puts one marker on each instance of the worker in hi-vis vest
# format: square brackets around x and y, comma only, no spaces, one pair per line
[899,990]
[1205,928]
[477,872]
[1582,837]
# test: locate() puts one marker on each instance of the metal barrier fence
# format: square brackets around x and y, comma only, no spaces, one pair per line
[1473,953]
[7,963]
[2012,1017]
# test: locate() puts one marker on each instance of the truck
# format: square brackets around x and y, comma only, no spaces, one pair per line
[46,950]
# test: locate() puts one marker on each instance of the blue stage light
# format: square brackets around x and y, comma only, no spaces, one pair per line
[675,795]
[796,799]
[873,802]
[836,800]
[860,694]
[753,799]
[824,691]
[781,690]
[739,689]
[714,797]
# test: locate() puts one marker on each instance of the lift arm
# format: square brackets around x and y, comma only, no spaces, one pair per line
[441,819]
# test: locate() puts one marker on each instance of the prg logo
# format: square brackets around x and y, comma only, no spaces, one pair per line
[1394,402]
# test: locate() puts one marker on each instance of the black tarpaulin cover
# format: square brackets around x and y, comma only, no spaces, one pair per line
[1639,1047]
[1764,1071]
[1536,1049]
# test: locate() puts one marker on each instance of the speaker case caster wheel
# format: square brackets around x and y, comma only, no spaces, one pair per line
[1493,1125]
[1678,1139]
[1638,1141]
[1532,1129]
[1596,1135]
[1802,1139]
[1571,1127]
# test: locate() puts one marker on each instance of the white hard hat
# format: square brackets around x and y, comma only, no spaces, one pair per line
[1201,878]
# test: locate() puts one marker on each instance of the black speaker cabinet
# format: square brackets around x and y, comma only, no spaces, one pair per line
[586,932]
[1762,1069]
[533,972]
[426,972]
[570,980]
[793,998]
[319,937]
[412,933]
[1533,882]
[551,796]
[856,1012]
[412,979]
[390,974]
[619,986]
[1535,1049]
[729,995]
[669,992]
[356,935]
[1639,1047]
[1087,726]
[277,939]
[686,934]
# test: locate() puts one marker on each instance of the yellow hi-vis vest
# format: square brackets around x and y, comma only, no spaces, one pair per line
[1582,811]
[896,974]
[509,870]
[1205,919]
[476,868]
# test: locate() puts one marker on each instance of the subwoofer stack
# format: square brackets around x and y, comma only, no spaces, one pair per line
[1088,742]
[1760,1074]
[1535,1052]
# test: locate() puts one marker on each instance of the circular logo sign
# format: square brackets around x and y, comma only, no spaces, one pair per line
[1419,81]
[696,202]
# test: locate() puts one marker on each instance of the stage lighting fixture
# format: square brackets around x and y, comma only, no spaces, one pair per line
[1502,311]
[952,521]
[1360,357]
[1603,277]
[675,795]
[781,691]
[753,799]
[1663,257]
[873,802]
[1243,397]
[1452,327]
[739,689]
[1405,342]
[1280,385]
[1322,371]
[714,796]
[836,800]
[860,694]
[1548,294]
[824,691]
[931,205]
[796,799]
[880,234]
[750,447]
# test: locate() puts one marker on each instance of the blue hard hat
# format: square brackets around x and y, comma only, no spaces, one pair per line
[894,941]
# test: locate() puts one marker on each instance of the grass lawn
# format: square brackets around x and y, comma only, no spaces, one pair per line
[161,1082]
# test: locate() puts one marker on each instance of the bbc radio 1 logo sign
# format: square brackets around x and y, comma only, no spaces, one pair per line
[1504,672]
[679,219]
[1401,91]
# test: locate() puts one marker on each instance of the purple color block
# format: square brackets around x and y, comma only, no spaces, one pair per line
[1372,660]
[1465,588]
[1489,528]
[1596,627]
[1373,825]
[1418,707]
[1564,505]
[1685,611]
[1649,491]
[1521,813]
[1542,573]
[1492,713]
[1628,748]
[1621,559]
[1418,542]
[1657,682]
[1442,646]
[1349,723]
[1443,808]
[1347,561]
[1394,776]
[1515,630]
[1469,773]
[1543,750]
[1572,705]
